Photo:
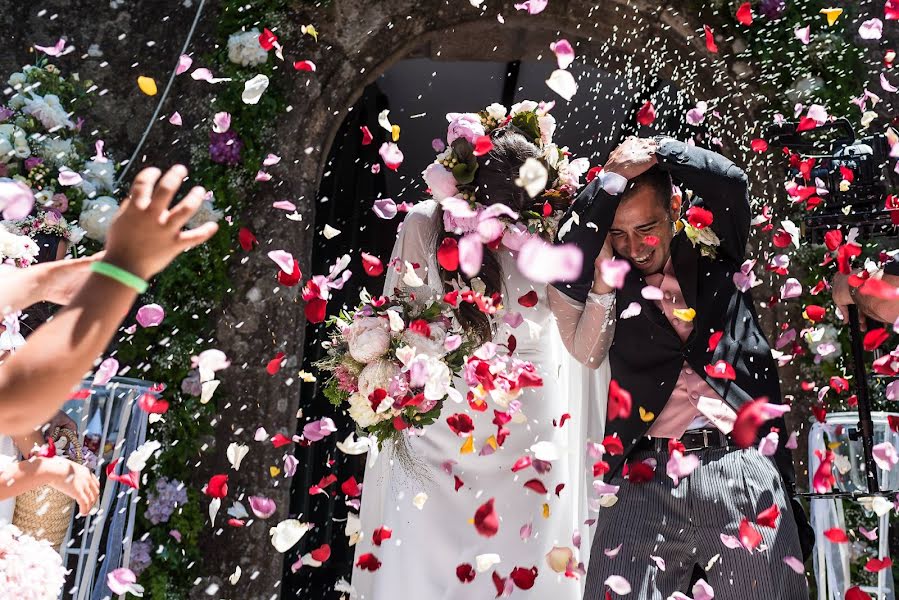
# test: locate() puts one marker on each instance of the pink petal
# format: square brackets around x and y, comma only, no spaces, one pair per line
[391,155]
[534,7]
[261,434]
[547,263]
[318,430]
[612,552]
[791,289]
[618,584]
[271,159]
[564,53]
[283,259]
[871,29]
[659,561]
[385,208]
[16,199]
[202,74]
[886,85]
[175,119]
[885,456]
[120,580]
[55,50]
[702,590]
[221,122]
[803,34]
[68,177]
[150,315]
[285,205]
[262,507]
[614,271]
[184,63]
[471,253]
[451,342]
[290,465]
[730,541]
[263,176]
[513,319]
[651,292]
[438,145]
[106,371]
[526,530]
[795,564]
[871,535]
[680,465]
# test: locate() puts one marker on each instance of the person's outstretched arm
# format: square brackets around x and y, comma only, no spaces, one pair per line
[57,282]
[145,236]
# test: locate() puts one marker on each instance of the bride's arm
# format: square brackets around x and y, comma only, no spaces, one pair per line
[587,328]
[414,256]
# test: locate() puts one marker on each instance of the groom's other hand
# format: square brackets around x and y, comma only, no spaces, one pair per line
[632,157]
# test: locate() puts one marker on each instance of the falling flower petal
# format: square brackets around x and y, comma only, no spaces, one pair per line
[618,584]
[287,533]
[564,53]
[184,63]
[175,119]
[262,507]
[547,263]
[872,29]
[105,372]
[562,82]
[147,85]
[283,259]
[150,315]
[221,122]
[253,89]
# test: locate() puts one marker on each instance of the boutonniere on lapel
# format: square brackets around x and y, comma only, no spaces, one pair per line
[696,226]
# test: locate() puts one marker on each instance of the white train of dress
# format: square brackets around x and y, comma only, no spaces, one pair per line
[427,544]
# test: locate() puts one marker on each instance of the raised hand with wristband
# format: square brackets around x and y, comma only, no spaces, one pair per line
[144,237]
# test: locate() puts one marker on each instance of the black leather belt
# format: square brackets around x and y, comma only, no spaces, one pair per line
[693,441]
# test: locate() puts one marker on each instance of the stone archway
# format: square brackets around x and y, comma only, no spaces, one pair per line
[361,43]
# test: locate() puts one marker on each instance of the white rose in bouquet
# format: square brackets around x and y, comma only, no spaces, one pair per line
[13,143]
[368,338]
[524,106]
[244,49]
[20,250]
[547,125]
[377,375]
[496,111]
[96,216]
[361,411]
[48,110]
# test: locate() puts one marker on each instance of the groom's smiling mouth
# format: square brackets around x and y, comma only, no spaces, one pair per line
[643,261]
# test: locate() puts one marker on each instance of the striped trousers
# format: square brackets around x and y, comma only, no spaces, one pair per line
[656,532]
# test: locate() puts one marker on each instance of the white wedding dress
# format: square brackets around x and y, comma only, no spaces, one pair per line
[427,544]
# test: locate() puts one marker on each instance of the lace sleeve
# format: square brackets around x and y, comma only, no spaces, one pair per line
[413,262]
[586,329]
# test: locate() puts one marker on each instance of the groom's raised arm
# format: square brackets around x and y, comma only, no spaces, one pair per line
[720,183]
[586,224]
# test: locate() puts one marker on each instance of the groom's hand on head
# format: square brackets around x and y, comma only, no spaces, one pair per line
[632,157]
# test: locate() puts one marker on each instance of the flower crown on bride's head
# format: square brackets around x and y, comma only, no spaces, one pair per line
[451,178]
[49,222]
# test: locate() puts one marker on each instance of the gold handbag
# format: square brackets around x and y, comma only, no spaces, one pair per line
[45,512]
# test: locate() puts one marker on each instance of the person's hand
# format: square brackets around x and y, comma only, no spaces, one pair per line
[62,279]
[606,253]
[146,235]
[632,157]
[842,298]
[75,481]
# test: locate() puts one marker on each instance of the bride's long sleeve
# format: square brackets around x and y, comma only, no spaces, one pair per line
[586,329]
[414,254]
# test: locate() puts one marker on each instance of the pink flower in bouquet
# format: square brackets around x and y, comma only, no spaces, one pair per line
[346,381]
[52,217]
[368,338]
[32,162]
[464,125]
[59,202]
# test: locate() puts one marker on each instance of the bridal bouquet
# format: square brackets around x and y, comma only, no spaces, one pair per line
[392,361]
[29,569]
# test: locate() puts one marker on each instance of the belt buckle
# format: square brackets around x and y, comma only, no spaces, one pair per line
[705,439]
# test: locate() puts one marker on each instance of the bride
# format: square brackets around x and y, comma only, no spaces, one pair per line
[418,539]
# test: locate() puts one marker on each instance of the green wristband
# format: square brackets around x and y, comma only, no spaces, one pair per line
[120,275]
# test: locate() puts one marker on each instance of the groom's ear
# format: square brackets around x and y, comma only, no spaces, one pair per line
[676,204]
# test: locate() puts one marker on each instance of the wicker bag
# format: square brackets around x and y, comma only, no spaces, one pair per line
[45,512]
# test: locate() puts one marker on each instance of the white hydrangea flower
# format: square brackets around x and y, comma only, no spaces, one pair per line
[96,216]
[244,48]
[57,151]
[99,176]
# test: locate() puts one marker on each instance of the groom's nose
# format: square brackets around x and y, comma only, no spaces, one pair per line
[634,244]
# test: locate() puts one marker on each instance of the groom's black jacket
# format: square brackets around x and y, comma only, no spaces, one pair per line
[647,355]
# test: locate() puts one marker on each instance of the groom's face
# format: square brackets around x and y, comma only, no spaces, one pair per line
[642,215]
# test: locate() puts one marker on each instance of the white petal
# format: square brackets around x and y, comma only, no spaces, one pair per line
[562,82]
[287,533]
[236,453]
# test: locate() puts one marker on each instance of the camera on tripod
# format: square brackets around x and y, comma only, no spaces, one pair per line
[847,174]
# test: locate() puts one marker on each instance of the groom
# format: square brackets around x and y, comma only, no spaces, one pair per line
[690,352]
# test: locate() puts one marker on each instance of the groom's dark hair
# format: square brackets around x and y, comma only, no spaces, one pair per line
[655,178]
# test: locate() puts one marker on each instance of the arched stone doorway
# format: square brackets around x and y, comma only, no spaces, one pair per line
[649,43]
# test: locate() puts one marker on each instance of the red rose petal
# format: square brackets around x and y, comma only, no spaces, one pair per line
[523,578]
[875,564]
[322,553]
[460,423]
[366,135]
[749,535]
[535,485]
[274,365]
[721,370]
[525,461]
[768,517]
[647,114]
[528,300]
[613,445]
[482,145]
[744,14]
[833,239]
[836,535]
[640,472]
[372,265]
[350,487]
[486,521]
[246,239]
[856,593]
[448,254]
[267,39]
[368,562]
[279,439]
[293,278]
[150,404]
[315,310]
[466,573]
[699,217]
[814,312]
[714,339]
[874,338]
[620,402]
[380,534]
[217,486]
[710,44]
